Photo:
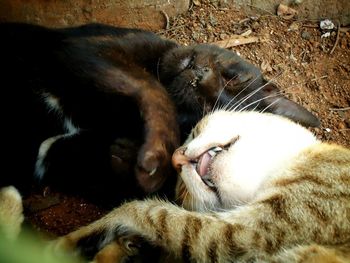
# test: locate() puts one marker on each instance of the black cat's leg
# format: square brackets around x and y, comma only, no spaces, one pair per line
[161,133]
[109,77]
[87,164]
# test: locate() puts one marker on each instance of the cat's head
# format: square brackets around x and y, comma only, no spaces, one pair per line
[230,156]
[202,77]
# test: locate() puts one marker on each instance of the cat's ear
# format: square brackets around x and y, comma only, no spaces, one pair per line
[281,105]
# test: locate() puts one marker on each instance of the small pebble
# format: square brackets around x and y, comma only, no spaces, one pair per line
[341,126]
[305,35]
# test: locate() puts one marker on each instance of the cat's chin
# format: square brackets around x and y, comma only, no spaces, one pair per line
[196,194]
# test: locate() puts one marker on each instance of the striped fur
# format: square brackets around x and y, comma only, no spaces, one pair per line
[299,211]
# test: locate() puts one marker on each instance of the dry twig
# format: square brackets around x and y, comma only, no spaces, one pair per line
[323,77]
[336,40]
[340,109]
[236,40]
[167,23]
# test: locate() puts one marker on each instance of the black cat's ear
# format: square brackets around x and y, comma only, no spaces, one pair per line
[280,105]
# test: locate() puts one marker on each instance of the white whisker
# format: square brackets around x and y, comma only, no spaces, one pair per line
[268,106]
[252,93]
[228,104]
[221,91]
[204,107]
[257,101]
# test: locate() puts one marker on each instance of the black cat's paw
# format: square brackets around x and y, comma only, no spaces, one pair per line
[123,154]
[153,166]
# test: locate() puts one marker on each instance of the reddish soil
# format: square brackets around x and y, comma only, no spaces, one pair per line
[292,54]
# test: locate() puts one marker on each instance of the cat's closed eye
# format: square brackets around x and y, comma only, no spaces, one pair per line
[188,63]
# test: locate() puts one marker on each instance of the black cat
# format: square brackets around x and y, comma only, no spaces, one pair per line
[85,108]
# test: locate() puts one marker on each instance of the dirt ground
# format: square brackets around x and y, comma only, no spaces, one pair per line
[312,70]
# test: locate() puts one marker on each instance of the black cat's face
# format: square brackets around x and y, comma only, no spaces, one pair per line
[203,77]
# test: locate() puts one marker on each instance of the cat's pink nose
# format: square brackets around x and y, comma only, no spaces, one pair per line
[179,158]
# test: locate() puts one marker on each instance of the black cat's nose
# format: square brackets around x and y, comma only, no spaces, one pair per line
[179,158]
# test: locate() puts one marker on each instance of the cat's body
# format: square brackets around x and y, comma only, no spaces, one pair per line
[11,213]
[69,94]
[253,188]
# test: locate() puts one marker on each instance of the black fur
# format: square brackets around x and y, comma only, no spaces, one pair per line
[114,85]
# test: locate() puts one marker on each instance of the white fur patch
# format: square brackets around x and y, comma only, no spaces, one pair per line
[266,146]
[185,62]
[11,212]
[70,127]
[40,168]
[53,104]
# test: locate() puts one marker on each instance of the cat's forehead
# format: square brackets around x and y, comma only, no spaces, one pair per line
[218,122]
[216,118]
[225,124]
[224,121]
[215,51]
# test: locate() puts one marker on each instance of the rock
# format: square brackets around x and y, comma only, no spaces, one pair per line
[212,20]
[196,2]
[266,67]
[223,36]
[305,35]
[127,13]
[325,35]
[246,33]
[255,25]
[308,9]
[294,26]
[341,126]
[195,35]
[326,24]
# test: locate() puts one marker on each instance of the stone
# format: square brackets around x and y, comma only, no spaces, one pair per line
[305,35]
[150,14]
[308,9]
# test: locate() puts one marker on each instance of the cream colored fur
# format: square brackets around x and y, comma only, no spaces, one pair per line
[11,212]
[277,194]
[267,143]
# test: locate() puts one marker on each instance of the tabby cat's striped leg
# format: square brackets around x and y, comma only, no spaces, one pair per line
[315,254]
[118,250]
[11,212]
[186,235]
[253,233]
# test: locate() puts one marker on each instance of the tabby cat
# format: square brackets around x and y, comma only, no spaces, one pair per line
[253,187]
[18,244]
[75,98]
[11,212]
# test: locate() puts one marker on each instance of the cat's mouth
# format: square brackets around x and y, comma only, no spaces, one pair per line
[203,165]
[204,161]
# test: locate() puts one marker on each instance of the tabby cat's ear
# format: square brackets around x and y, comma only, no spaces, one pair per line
[283,106]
